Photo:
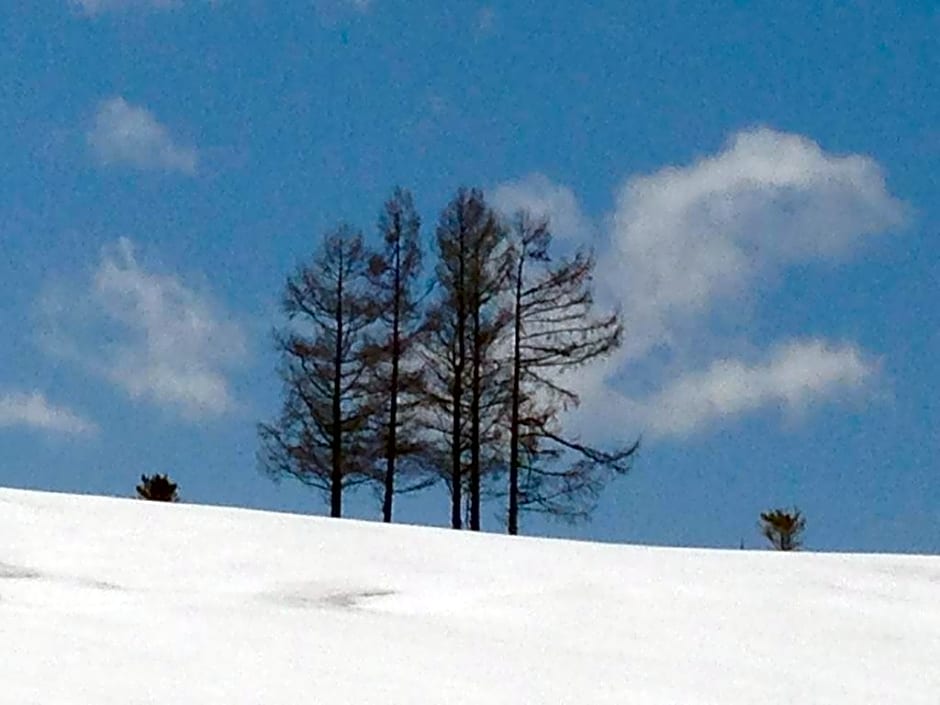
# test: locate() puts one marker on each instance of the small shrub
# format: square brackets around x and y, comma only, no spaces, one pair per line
[783,529]
[157,488]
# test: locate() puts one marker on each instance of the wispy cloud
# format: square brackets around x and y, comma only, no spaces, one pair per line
[486,20]
[96,7]
[331,11]
[689,247]
[33,410]
[99,7]
[793,376]
[148,333]
[545,199]
[125,134]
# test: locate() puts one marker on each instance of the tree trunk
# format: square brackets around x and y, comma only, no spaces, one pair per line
[336,476]
[513,519]
[475,423]
[456,518]
[391,449]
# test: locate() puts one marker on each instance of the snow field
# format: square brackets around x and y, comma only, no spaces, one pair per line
[120,602]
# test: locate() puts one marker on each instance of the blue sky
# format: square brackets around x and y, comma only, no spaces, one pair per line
[759,181]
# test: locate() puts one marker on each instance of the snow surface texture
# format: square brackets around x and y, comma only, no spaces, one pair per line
[120,602]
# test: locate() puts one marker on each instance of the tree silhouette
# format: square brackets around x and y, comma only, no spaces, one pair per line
[783,529]
[321,436]
[157,488]
[555,331]
[395,377]
[465,391]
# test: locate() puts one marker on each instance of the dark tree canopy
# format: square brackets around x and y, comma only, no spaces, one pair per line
[157,488]
[783,529]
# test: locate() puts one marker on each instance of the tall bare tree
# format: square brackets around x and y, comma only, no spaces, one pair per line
[487,279]
[396,378]
[320,436]
[462,330]
[554,331]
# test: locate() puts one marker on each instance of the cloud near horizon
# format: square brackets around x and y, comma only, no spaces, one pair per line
[149,334]
[687,242]
[126,134]
[33,410]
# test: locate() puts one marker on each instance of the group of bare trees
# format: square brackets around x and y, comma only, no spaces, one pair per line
[401,375]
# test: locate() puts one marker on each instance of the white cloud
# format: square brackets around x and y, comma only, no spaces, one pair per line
[544,198]
[332,11]
[486,20]
[149,334]
[95,7]
[794,376]
[689,247]
[35,411]
[122,133]
[685,238]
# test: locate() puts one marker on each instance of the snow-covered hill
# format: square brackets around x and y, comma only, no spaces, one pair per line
[119,602]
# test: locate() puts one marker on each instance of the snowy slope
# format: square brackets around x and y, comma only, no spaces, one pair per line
[120,602]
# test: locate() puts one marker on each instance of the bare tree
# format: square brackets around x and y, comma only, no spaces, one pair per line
[554,331]
[320,436]
[487,281]
[396,379]
[783,529]
[461,334]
